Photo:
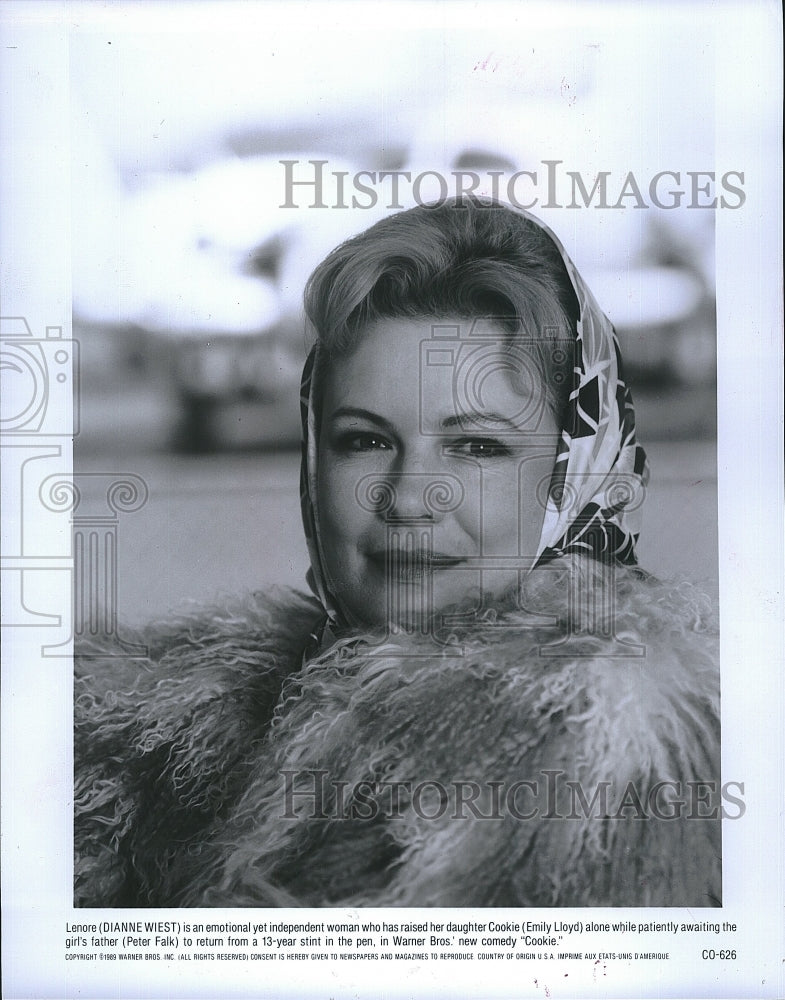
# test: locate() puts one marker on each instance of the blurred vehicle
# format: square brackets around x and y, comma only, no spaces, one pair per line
[211,273]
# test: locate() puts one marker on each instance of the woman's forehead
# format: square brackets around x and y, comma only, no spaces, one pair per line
[440,372]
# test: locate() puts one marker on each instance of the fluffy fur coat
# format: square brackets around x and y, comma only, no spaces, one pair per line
[220,771]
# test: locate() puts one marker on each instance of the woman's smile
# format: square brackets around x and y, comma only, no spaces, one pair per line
[411,565]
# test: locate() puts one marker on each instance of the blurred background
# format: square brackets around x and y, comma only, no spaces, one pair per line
[188,273]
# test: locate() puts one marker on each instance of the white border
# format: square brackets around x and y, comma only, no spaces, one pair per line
[36,761]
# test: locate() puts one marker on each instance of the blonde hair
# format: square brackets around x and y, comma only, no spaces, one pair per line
[471,258]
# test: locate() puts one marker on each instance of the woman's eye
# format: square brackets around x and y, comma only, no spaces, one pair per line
[480,448]
[363,442]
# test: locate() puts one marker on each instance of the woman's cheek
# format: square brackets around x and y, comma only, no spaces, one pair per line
[333,493]
[488,509]
[342,519]
[501,510]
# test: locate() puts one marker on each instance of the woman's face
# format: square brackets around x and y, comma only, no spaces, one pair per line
[436,448]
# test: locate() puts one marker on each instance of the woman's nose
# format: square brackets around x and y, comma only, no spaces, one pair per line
[408,495]
[411,495]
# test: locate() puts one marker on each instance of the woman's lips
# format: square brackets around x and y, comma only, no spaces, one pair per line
[411,564]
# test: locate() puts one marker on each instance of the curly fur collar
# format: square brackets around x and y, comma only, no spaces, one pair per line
[219,771]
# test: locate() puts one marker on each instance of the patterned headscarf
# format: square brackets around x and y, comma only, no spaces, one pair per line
[600,472]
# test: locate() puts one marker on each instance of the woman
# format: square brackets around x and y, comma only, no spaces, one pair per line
[487,703]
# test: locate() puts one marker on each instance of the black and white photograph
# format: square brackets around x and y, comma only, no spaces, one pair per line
[392,499]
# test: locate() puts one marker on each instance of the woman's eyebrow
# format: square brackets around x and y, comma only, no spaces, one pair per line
[477,420]
[357,413]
